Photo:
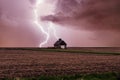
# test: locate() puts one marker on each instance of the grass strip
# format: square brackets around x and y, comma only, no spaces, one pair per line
[66,50]
[105,76]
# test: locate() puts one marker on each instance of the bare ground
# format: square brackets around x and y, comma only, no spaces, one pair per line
[26,63]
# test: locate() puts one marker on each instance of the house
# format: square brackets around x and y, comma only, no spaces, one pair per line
[60,44]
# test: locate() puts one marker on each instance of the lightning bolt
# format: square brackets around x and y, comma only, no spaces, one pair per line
[38,24]
[38,2]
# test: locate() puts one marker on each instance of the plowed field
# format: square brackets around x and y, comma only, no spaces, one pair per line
[27,63]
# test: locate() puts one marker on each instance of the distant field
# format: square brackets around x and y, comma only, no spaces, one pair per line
[34,62]
[86,50]
[89,50]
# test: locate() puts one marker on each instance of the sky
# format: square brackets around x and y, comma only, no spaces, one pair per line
[80,23]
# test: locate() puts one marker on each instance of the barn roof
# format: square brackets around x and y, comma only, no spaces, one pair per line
[60,42]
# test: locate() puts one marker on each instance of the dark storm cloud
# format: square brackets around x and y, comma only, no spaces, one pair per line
[87,14]
[32,1]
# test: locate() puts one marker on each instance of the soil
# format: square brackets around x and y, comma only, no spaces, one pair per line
[28,63]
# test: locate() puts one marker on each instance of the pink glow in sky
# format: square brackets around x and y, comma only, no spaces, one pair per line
[81,23]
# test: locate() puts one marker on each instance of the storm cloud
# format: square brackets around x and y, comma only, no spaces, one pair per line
[87,14]
[102,17]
